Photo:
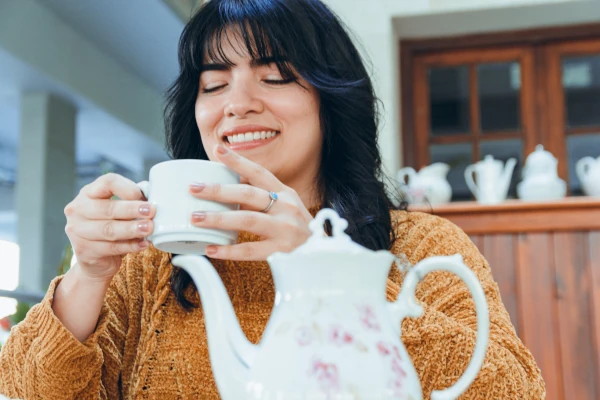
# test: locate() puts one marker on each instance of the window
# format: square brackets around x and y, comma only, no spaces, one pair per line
[502,95]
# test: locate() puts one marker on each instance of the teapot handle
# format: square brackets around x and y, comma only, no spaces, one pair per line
[406,306]
[583,166]
[470,182]
[403,173]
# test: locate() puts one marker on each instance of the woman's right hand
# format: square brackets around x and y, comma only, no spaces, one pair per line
[102,230]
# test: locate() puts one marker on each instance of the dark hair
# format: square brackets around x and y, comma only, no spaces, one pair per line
[312,39]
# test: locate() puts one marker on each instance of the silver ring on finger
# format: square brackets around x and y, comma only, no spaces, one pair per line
[274,197]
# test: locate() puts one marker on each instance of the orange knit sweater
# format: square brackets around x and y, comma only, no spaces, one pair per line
[147,347]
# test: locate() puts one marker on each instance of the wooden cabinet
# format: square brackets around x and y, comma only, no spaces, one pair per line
[545,258]
[502,94]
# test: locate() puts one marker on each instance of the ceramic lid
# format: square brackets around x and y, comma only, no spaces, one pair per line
[540,157]
[338,242]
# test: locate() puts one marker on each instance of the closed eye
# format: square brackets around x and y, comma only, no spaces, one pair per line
[213,89]
[279,81]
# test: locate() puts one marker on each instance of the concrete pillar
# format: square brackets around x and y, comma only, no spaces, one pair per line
[45,184]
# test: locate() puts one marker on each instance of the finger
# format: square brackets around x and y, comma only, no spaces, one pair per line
[96,250]
[249,197]
[256,174]
[252,251]
[108,230]
[249,221]
[109,185]
[117,209]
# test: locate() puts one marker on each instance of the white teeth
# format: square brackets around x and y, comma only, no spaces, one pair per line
[250,136]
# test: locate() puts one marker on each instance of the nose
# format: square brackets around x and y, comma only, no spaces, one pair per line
[242,101]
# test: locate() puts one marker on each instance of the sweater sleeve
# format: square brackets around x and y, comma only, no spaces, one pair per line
[441,341]
[43,360]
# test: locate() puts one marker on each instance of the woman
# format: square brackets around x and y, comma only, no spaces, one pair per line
[275,90]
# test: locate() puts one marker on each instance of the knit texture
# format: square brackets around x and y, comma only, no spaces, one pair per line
[146,346]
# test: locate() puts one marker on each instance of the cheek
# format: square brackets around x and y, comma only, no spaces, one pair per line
[301,109]
[207,118]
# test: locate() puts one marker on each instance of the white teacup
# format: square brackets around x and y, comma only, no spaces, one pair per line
[168,189]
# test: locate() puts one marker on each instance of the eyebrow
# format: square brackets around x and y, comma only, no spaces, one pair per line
[254,63]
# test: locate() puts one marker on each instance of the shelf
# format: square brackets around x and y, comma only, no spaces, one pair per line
[569,214]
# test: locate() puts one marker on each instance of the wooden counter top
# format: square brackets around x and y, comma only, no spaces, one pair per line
[569,214]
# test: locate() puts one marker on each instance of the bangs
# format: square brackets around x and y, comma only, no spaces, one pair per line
[250,30]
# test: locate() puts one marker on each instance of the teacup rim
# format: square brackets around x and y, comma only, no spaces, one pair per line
[190,160]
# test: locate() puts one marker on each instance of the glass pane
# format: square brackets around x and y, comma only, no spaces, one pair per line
[579,147]
[458,156]
[499,87]
[449,97]
[503,150]
[581,81]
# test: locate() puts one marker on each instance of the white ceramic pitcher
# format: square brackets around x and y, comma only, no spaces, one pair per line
[332,333]
[493,179]
[427,185]
[588,172]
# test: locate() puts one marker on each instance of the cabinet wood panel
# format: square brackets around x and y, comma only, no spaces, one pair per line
[537,306]
[501,249]
[594,260]
[574,315]
[546,260]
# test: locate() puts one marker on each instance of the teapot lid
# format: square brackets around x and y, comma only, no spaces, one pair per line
[540,156]
[338,242]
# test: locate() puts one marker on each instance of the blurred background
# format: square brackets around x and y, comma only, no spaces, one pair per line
[81,94]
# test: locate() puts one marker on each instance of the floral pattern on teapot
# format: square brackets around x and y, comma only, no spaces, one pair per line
[363,336]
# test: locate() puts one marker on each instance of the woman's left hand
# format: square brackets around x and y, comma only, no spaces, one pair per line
[283,228]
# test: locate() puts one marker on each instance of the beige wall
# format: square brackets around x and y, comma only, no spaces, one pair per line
[379,24]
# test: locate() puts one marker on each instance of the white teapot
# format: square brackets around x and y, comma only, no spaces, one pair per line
[332,334]
[588,172]
[493,179]
[427,185]
[540,177]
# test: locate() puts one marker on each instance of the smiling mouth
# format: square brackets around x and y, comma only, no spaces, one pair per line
[250,137]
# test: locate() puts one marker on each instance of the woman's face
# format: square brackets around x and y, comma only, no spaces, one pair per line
[250,109]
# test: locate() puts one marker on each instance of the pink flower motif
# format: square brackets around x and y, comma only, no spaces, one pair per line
[368,318]
[398,373]
[340,337]
[397,353]
[383,348]
[303,336]
[327,375]
[397,369]
[396,383]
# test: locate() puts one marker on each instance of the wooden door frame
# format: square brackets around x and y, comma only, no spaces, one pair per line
[409,48]
[475,136]
[557,132]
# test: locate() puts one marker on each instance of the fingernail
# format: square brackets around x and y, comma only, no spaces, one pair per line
[197,187]
[222,149]
[145,209]
[211,250]
[198,216]
[143,226]
[142,244]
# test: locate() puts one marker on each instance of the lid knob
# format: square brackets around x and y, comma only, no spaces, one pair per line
[338,224]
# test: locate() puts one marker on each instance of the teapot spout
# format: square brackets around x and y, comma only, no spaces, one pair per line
[231,353]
